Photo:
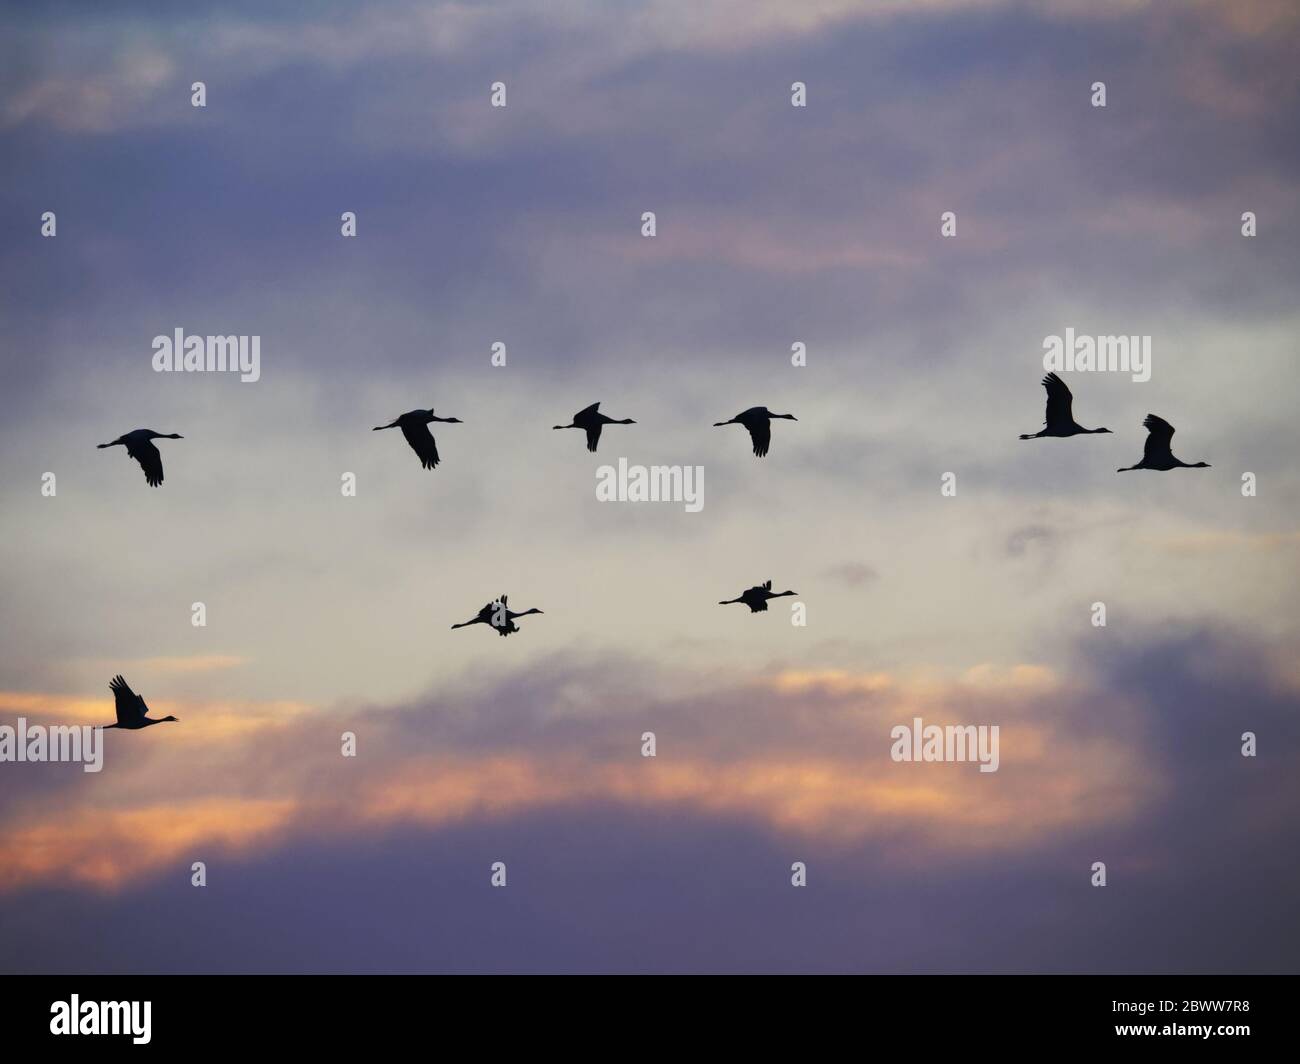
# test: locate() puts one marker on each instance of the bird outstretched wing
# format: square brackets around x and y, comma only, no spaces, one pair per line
[767,585]
[1060,403]
[1159,435]
[593,436]
[128,704]
[421,441]
[144,452]
[587,411]
[760,431]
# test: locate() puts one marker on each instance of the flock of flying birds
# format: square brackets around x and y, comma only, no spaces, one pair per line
[1059,421]
[1156,454]
[414,424]
[415,427]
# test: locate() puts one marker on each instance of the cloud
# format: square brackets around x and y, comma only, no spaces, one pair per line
[775,225]
[793,752]
[179,663]
[95,102]
[113,75]
[1019,540]
[1231,540]
[854,574]
[1135,762]
[107,848]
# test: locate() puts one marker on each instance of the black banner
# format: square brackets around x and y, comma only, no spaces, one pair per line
[1228,1015]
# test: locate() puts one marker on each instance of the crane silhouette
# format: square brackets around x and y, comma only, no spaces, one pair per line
[415,427]
[1156,453]
[499,616]
[139,445]
[130,708]
[1060,417]
[758,419]
[591,420]
[756,598]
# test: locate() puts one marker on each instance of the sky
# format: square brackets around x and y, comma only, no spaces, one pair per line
[775,225]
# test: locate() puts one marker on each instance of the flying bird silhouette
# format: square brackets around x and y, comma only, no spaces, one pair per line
[130,707]
[1060,417]
[1156,453]
[415,427]
[138,444]
[756,598]
[758,419]
[499,616]
[591,420]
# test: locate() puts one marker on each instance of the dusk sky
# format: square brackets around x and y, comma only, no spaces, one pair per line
[776,225]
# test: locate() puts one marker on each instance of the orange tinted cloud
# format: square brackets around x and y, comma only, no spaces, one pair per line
[105,848]
[804,753]
[205,721]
